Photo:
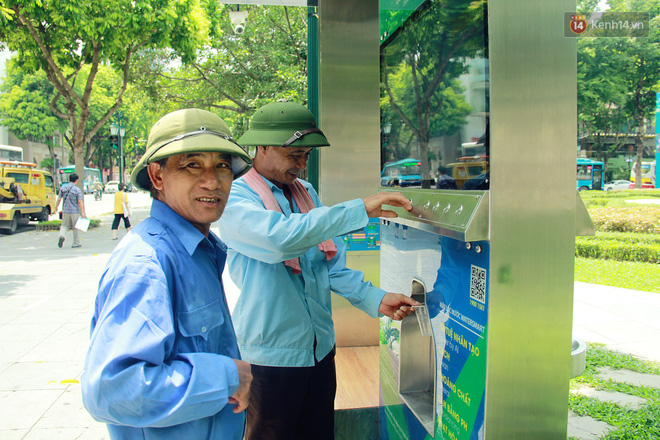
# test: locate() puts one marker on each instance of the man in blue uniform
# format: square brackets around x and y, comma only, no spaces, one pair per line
[286,258]
[163,362]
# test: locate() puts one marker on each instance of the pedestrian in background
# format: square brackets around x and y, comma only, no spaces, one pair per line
[122,211]
[444,180]
[73,207]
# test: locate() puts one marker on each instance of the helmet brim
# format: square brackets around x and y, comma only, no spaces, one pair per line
[277,138]
[241,162]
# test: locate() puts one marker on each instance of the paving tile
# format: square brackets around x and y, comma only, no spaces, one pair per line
[22,409]
[12,351]
[591,335]
[621,399]
[69,343]
[7,316]
[26,332]
[99,432]
[13,434]
[587,428]
[55,434]
[630,377]
[67,411]
[630,331]
[56,303]
[44,316]
[643,349]
[44,376]
[23,302]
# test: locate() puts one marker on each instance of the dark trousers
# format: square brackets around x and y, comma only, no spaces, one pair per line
[115,222]
[292,403]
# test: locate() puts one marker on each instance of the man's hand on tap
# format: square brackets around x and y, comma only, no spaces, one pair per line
[374,204]
[397,306]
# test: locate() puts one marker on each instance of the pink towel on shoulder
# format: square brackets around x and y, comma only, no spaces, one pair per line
[302,199]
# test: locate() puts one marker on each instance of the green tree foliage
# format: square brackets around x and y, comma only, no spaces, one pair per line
[420,70]
[601,96]
[70,41]
[234,74]
[619,78]
[24,105]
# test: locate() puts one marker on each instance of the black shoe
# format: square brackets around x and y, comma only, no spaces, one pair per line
[60,241]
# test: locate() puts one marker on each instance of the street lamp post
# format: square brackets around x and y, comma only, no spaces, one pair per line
[119,129]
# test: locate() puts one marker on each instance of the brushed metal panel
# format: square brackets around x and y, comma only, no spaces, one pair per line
[462,215]
[533,132]
[349,99]
[583,223]
[349,117]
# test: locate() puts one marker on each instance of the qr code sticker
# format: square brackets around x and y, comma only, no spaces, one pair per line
[478,284]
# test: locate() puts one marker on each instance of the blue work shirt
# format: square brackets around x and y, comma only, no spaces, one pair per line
[278,313]
[160,362]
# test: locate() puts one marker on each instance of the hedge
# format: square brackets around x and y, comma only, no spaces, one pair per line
[638,218]
[593,199]
[645,249]
[631,237]
[54,225]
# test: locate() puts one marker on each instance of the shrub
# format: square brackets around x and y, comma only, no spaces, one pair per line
[593,199]
[54,225]
[626,236]
[617,250]
[644,219]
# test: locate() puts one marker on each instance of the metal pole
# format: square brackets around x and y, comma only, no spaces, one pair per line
[121,155]
[313,88]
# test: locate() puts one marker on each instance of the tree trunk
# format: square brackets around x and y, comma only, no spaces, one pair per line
[639,142]
[79,160]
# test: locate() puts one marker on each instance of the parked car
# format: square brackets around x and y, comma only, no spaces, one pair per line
[111,187]
[645,185]
[616,184]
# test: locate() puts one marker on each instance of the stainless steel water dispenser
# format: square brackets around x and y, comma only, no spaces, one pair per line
[417,370]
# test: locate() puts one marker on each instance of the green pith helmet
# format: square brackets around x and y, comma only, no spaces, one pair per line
[283,124]
[189,131]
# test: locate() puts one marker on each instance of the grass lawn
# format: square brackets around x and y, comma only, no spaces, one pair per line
[626,274]
[629,424]
[643,423]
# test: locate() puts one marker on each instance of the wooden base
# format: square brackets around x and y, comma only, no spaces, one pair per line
[357,377]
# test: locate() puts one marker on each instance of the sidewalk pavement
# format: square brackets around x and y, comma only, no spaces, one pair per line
[47,298]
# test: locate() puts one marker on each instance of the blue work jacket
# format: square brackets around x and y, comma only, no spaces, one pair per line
[279,314]
[160,362]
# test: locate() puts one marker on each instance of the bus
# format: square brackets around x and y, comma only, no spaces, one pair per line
[648,175]
[406,172]
[7,152]
[92,175]
[589,174]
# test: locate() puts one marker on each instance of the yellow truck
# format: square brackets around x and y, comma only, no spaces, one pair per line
[468,168]
[26,193]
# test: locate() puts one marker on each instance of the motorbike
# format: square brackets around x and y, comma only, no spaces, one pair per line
[97,194]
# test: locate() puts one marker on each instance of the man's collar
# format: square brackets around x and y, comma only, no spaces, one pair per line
[270,184]
[187,234]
